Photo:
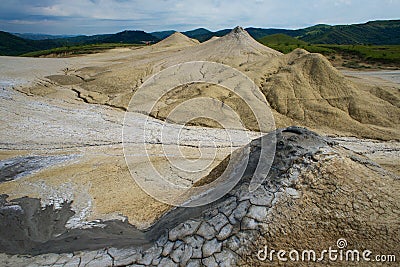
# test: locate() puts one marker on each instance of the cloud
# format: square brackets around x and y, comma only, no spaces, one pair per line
[99,16]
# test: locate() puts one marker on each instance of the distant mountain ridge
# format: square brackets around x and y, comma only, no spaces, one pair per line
[201,34]
[385,32]
[12,45]
[374,32]
[162,34]
[40,36]
[280,38]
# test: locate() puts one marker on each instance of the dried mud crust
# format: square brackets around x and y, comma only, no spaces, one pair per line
[341,198]
[284,158]
[308,200]
[302,88]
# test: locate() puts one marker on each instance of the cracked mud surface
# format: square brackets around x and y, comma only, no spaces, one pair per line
[307,199]
[72,200]
[95,172]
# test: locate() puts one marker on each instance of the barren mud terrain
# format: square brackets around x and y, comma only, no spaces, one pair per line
[71,145]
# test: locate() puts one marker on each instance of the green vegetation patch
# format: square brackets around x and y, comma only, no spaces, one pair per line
[367,53]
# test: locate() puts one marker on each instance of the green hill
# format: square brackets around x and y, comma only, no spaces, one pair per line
[40,36]
[162,34]
[380,54]
[370,33]
[386,32]
[280,38]
[374,32]
[128,37]
[285,44]
[124,37]
[203,34]
[258,33]
[12,45]
[197,32]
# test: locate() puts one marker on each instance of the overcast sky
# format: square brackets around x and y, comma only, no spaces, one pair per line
[108,16]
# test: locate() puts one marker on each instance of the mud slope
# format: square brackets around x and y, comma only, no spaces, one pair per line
[212,39]
[308,90]
[308,198]
[176,40]
[234,49]
[302,88]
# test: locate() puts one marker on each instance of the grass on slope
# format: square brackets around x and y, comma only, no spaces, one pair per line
[367,53]
[12,45]
[286,44]
[385,32]
[77,50]
[281,38]
[373,32]
[389,53]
